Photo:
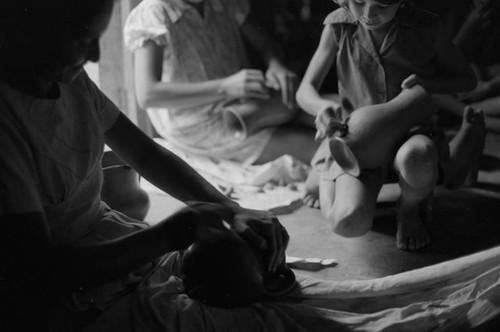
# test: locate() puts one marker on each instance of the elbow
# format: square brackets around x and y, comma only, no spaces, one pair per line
[142,102]
[145,99]
[300,97]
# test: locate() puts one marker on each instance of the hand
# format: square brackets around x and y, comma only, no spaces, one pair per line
[481,92]
[262,231]
[330,112]
[247,83]
[410,81]
[480,17]
[196,221]
[280,78]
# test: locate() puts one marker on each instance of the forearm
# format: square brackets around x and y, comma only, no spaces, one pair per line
[181,95]
[310,100]
[171,174]
[83,266]
[449,104]
[494,85]
[32,261]
[159,166]
[449,85]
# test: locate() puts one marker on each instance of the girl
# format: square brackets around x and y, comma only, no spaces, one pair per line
[59,242]
[194,77]
[381,47]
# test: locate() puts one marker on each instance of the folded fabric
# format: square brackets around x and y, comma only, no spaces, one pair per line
[276,186]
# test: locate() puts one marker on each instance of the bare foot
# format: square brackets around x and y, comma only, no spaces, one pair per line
[411,234]
[466,148]
[311,196]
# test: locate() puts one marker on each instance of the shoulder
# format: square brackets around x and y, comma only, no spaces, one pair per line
[340,16]
[151,12]
[106,111]
[13,104]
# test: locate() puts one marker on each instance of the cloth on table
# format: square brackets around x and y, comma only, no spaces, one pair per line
[452,296]
[276,186]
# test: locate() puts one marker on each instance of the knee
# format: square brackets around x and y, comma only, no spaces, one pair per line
[417,163]
[351,221]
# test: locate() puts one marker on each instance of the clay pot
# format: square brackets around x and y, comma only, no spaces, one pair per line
[121,188]
[375,132]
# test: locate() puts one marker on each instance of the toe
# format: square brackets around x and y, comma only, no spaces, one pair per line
[316,204]
[310,200]
[402,244]
[412,244]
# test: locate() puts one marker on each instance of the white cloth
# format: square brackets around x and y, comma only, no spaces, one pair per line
[277,186]
[457,295]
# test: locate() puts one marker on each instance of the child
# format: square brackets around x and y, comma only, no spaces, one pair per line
[381,47]
[194,77]
[222,270]
[60,244]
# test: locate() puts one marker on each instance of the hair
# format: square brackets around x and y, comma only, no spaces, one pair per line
[406,8]
[220,271]
[45,15]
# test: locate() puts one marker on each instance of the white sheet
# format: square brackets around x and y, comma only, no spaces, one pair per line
[452,296]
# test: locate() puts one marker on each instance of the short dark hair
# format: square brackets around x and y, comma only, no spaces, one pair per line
[45,13]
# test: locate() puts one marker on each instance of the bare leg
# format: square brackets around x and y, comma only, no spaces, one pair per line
[492,124]
[258,114]
[490,106]
[416,162]
[292,140]
[449,104]
[349,203]
[466,147]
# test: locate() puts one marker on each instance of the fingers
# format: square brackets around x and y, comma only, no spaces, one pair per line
[322,122]
[277,241]
[287,82]
[213,211]
[409,82]
[266,234]
[254,84]
[288,93]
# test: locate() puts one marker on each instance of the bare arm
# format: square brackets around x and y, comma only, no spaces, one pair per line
[454,74]
[152,92]
[308,96]
[484,90]
[278,76]
[160,166]
[33,260]
[170,173]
